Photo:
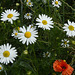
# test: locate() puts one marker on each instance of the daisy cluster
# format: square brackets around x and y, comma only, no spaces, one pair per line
[28,35]
[29,4]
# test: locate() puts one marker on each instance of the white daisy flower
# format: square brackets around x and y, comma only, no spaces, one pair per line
[7,54]
[30,4]
[56,3]
[15,33]
[1,67]
[28,16]
[44,22]
[46,54]
[65,43]
[9,15]
[70,28]
[28,35]
[27,0]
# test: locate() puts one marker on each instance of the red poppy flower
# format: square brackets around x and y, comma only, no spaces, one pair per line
[62,66]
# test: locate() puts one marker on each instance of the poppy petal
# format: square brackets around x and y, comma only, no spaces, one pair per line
[56,66]
[68,71]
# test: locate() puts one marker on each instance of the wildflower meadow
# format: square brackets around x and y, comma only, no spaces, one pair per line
[37,37]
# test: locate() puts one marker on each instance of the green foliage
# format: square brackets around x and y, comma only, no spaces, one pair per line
[33,62]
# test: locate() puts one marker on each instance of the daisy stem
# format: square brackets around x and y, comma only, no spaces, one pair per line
[55,14]
[31,60]
[5,72]
[35,59]
[21,11]
[45,8]
[63,13]
[32,64]
[48,7]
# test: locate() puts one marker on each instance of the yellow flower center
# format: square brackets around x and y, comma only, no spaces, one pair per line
[10,15]
[28,14]
[71,28]
[56,2]
[29,3]
[0,68]
[44,22]
[27,34]
[16,34]
[47,54]
[65,42]
[6,53]
[27,0]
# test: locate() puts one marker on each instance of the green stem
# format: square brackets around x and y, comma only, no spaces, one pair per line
[35,57]
[48,6]
[21,11]
[63,13]
[5,72]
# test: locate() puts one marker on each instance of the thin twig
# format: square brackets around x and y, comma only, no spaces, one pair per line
[71,48]
[73,60]
[68,47]
[58,24]
[68,5]
[67,13]
[43,41]
[58,28]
